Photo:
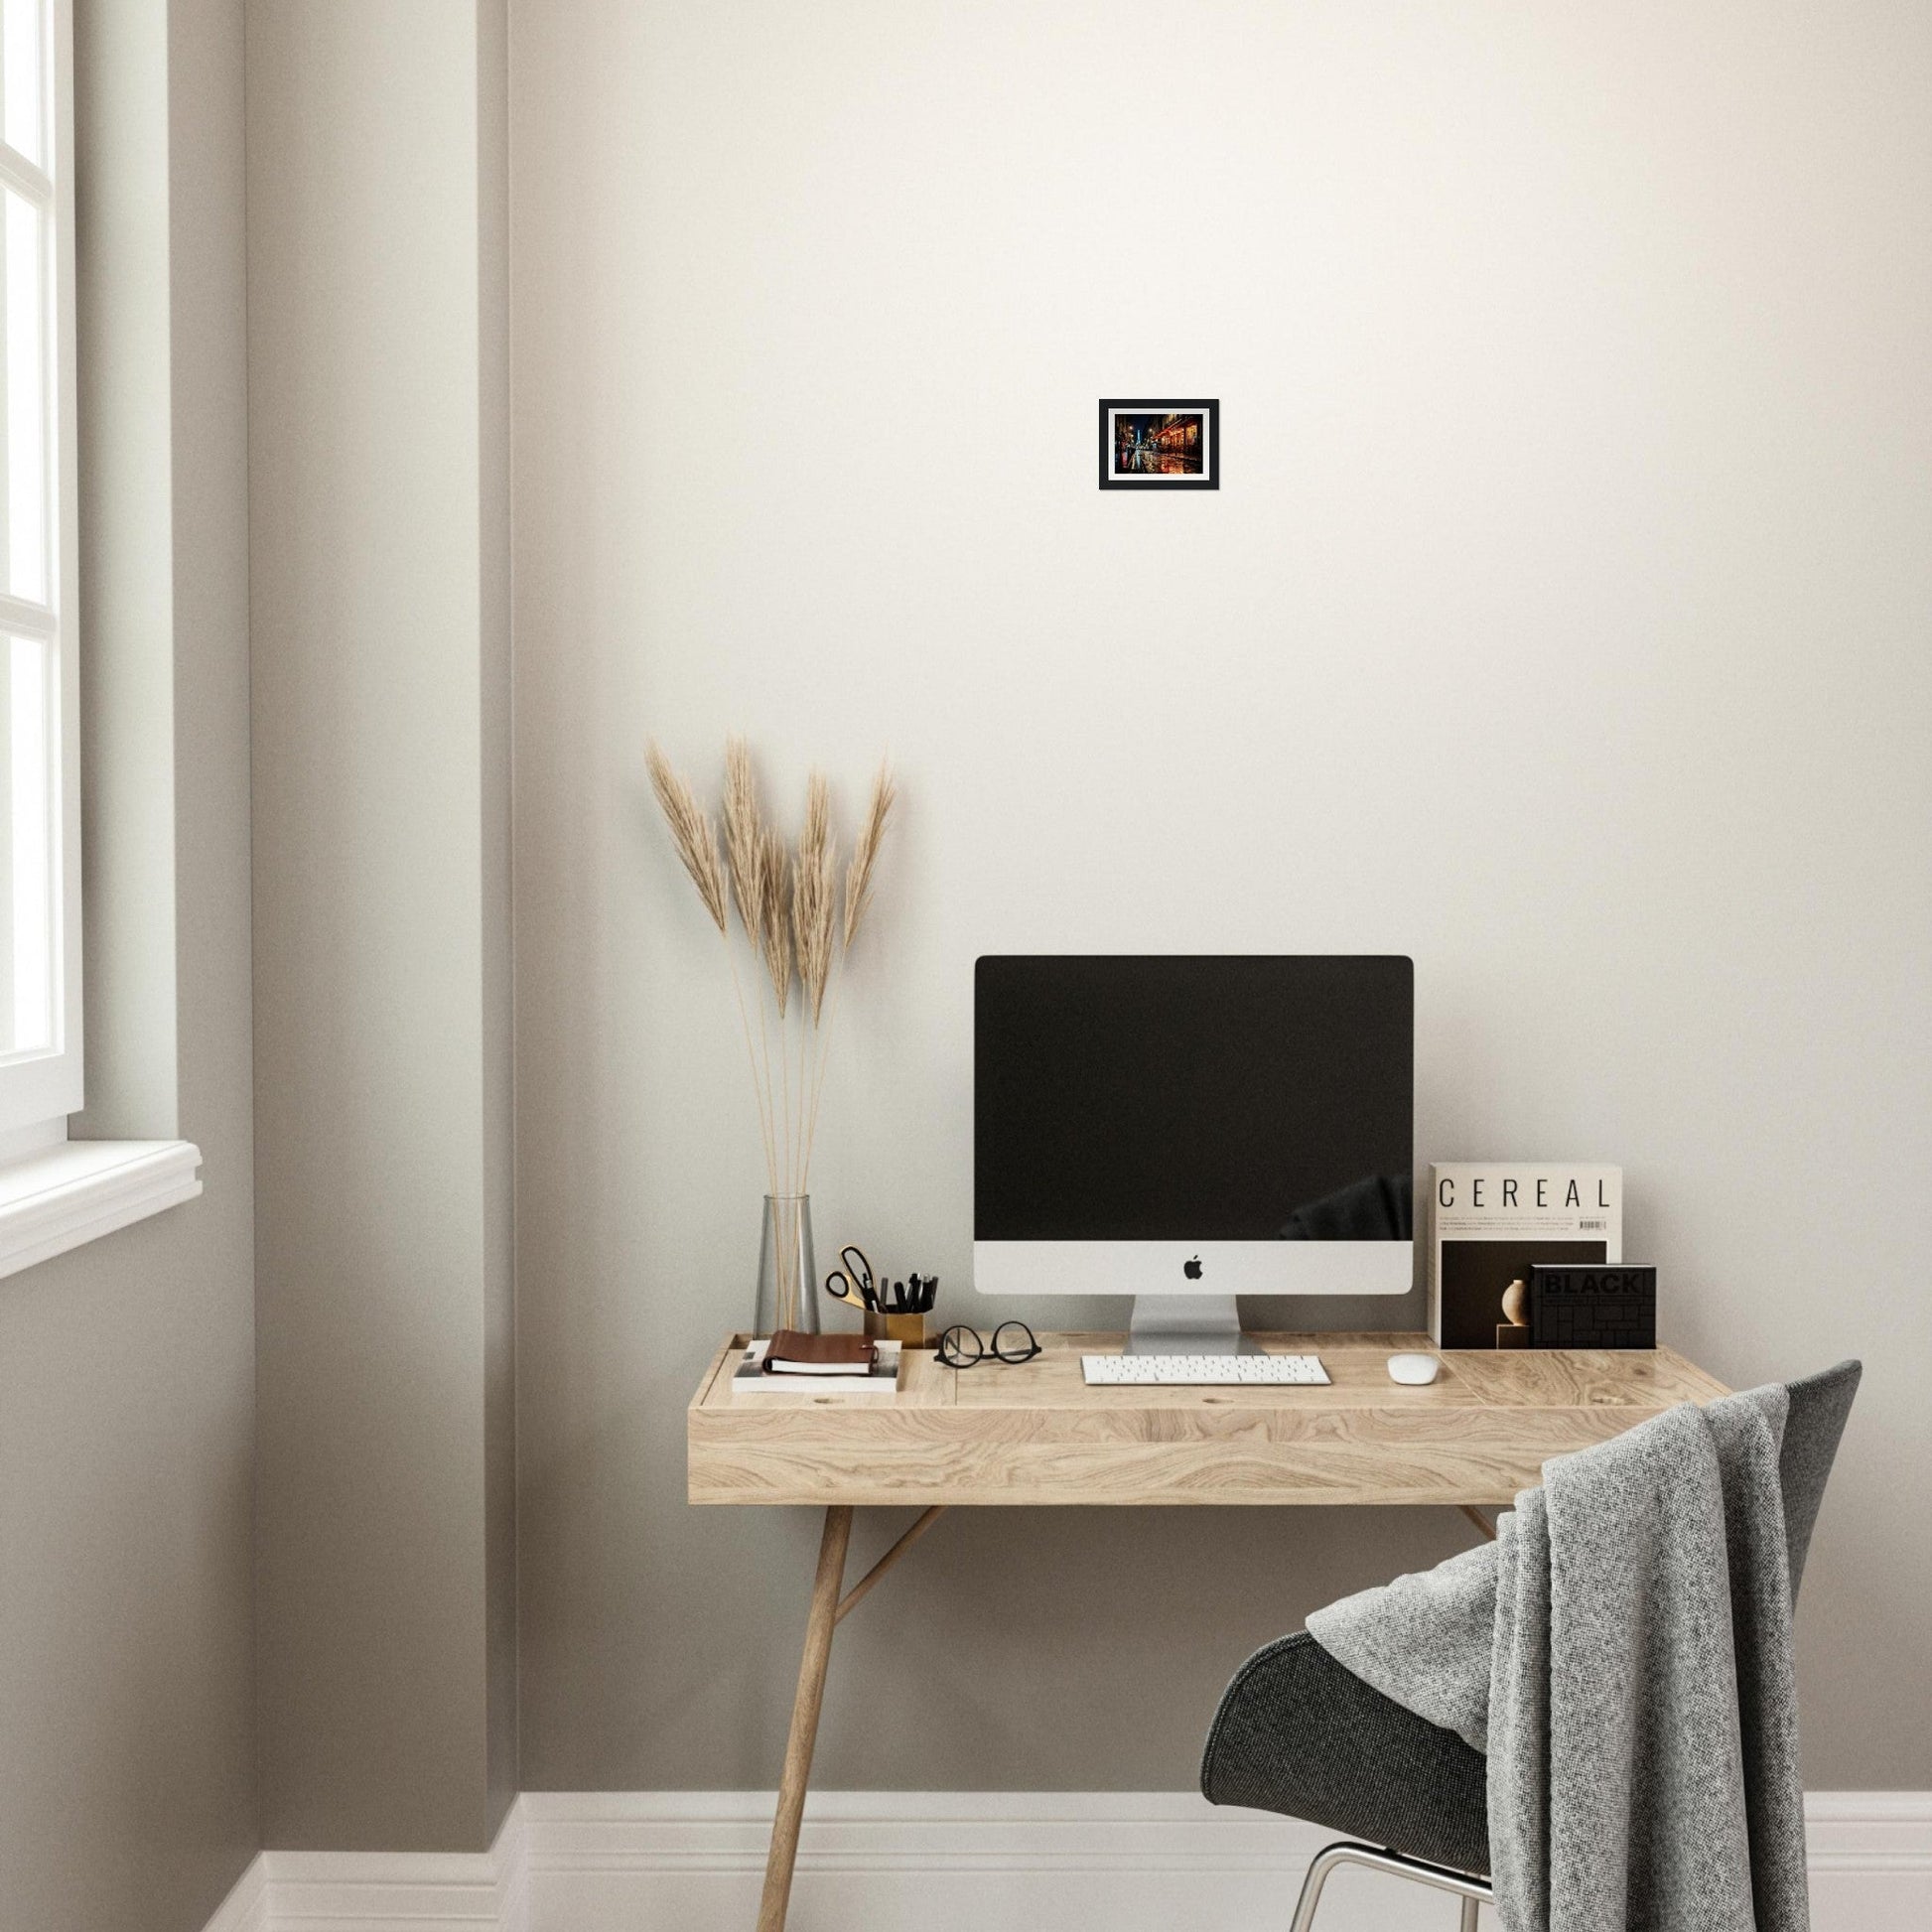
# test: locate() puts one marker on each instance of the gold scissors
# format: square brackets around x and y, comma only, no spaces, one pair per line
[852,1282]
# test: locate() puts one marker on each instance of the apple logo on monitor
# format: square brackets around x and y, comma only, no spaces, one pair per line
[1191,1269]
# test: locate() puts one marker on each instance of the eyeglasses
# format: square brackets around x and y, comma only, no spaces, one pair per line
[963,1347]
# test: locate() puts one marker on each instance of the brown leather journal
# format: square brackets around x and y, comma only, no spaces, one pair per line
[794,1353]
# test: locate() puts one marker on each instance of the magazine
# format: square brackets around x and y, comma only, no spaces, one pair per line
[1490,1220]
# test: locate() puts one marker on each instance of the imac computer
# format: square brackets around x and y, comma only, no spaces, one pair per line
[1185,1129]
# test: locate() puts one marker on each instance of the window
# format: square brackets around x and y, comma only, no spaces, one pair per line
[55,1193]
[40,816]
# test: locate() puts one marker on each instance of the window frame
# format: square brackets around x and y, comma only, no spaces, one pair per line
[57,1192]
[39,1089]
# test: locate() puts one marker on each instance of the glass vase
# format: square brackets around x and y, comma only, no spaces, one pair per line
[787,1271]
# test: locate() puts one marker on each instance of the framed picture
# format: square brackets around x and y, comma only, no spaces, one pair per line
[1157,444]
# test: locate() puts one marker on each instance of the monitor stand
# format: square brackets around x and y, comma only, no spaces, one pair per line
[1186,1324]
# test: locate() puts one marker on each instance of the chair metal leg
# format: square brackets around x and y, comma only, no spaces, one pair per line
[1471,1890]
[1325,1862]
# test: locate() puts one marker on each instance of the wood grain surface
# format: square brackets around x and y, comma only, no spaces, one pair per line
[1035,1434]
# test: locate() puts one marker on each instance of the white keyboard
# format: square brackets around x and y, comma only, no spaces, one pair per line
[1202,1371]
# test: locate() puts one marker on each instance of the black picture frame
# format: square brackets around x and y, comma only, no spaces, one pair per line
[1206,407]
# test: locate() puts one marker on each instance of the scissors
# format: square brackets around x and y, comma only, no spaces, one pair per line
[852,1282]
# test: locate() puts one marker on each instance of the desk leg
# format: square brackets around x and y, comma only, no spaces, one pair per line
[804,1719]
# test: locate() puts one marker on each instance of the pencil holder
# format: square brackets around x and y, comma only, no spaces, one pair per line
[909,1329]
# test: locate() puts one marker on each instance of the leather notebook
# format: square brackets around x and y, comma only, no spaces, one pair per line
[794,1353]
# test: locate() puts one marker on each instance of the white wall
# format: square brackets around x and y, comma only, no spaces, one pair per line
[1562,622]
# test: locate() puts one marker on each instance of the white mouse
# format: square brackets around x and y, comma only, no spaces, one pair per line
[1414,1369]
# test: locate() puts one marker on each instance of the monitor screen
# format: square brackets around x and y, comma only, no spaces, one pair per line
[1259,1098]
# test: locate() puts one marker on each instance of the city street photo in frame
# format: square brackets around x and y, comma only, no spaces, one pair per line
[1160,443]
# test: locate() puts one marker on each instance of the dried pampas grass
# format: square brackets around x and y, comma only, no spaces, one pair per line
[774,916]
[864,851]
[744,834]
[788,909]
[692,832]
[814,896]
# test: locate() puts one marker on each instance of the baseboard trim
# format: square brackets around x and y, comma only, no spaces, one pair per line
[246,1910]
[941,1861]
[1870,1833]
[728,1832]
[386,1892]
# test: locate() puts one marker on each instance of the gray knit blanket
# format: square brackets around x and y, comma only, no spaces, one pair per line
[1623,1652]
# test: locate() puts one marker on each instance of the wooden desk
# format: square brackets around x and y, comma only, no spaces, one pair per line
[1035,1434]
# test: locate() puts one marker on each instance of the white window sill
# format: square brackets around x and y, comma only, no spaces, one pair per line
[78,1190]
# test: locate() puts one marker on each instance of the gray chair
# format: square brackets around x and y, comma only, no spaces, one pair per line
[1300,1734]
